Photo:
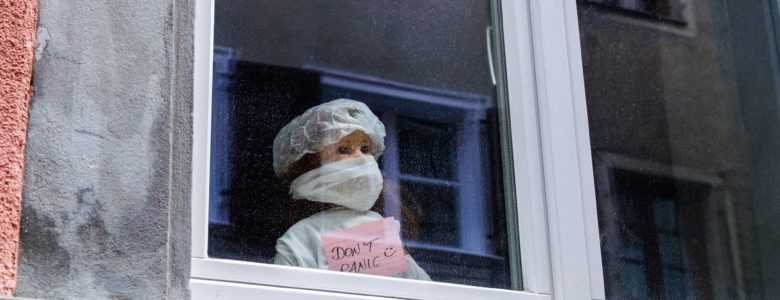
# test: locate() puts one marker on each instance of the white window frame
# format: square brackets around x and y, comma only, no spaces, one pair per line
[554,191]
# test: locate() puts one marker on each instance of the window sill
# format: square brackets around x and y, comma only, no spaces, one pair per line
[226,274]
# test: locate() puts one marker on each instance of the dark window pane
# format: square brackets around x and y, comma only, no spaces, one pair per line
[426,148]
[673,11]
[432,200]
[425,77]
[685,134]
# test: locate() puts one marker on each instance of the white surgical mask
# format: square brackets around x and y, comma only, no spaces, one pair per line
[353,183]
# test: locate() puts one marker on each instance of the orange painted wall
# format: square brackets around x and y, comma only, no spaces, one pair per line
[17,46]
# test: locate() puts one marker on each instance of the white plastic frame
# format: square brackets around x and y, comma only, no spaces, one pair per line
[559,244]
[575,253]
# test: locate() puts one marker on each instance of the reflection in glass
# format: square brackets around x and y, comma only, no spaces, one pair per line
[684,121]
[426,149]
[426,199]
[425,77]
[673,11]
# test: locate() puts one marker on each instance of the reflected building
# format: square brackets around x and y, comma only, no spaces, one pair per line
[684,136]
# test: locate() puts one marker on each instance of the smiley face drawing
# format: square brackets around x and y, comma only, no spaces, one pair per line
[390,251]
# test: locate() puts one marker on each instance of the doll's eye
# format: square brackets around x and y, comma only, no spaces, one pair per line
[343,150]
[364,149]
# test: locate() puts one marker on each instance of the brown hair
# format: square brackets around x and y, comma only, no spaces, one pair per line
[308,162]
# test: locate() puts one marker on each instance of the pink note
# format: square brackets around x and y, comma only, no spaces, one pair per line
[370,248]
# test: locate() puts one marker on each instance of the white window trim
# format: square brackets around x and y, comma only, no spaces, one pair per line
[575,252]
[210,289]
[559,238]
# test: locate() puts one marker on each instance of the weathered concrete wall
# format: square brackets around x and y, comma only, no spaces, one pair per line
[106,196]
[17,41]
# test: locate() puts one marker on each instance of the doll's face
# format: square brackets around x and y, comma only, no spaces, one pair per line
[354,145]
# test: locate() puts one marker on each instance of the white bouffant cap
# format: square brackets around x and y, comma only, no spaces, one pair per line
[324,125]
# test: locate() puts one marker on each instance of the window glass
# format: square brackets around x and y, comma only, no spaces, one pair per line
[672,11]
[685,139]
[426,149]
[424,76]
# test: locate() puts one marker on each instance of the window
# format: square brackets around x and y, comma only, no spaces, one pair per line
[665,10]
[685,143]
[437,153]
[656,220]
[464,148]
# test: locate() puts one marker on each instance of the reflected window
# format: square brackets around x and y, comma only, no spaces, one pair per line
[667,10]
[657,245]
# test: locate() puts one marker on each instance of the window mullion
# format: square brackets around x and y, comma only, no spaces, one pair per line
[574,241]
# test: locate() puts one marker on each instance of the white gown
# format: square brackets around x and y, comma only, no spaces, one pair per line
[301,245]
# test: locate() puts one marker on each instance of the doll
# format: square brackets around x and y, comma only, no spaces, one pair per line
[328,155]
